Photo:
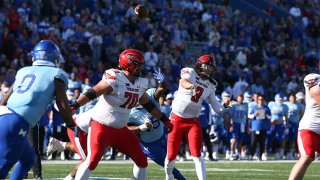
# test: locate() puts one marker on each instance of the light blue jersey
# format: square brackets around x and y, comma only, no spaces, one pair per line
[138,116]
[239,113]
[278,111]
[33,90]
[293,112]
[217,118]
[251,105]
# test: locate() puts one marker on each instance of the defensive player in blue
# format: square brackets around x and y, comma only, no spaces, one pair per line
[294,115]
[280,124]
[34,88]
[217,132]
[150,130]
[226,117]
[238,127]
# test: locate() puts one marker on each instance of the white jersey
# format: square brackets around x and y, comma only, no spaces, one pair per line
[311,118]
[188,103]
[83,120]
[113,109]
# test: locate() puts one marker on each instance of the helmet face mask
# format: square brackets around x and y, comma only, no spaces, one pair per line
[205,66]
[132,61]
[206,70]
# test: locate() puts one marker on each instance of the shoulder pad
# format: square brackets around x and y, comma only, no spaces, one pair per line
[214,82]
[311,80]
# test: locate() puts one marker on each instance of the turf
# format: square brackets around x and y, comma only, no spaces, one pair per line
[215,170]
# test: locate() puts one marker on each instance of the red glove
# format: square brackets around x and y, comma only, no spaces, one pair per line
[168,125]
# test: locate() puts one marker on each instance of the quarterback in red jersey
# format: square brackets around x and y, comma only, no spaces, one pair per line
[195,86]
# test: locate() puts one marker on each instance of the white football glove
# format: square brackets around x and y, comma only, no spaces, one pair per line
[158,76]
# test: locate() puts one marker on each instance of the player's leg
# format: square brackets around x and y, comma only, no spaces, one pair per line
[195,143]
[13,132]
[73,173]
[25,162]
[157,152]
[97,143]
[33,137]
[128,143]
[174,141]
[206,138]
[78,140]
[307,141]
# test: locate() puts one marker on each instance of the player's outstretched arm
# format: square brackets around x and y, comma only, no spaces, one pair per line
[62,102]
[154,111]
[186,84]
[315,93]
[101,88]
[7,96]
[143,127]
[162,83]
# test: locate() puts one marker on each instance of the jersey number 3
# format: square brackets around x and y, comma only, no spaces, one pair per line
[197,95]
[132,100]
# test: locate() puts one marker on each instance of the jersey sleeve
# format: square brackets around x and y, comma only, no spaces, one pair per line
[216,106]
[144,83]
[187,73]
[151,92]
[110,77]
[311,80]
[62,75]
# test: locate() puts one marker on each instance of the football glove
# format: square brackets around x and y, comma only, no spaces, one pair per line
[158,76]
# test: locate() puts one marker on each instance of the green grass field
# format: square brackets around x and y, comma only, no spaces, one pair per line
[215,170]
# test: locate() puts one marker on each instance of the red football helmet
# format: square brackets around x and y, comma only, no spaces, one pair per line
[205,66]
[132,61]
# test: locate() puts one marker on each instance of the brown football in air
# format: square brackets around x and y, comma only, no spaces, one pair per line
[141,12]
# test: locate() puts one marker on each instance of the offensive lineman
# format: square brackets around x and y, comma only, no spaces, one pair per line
[121,90]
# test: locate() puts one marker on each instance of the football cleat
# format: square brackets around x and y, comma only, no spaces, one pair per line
[54,145]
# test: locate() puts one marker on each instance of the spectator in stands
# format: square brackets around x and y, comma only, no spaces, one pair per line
[151,58]
[295,10]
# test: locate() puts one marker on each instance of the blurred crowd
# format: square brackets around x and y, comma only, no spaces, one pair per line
[253,54]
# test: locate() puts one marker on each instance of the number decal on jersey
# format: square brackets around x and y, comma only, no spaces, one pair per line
[155,122]
[132,100]
[26,83]
[196,97]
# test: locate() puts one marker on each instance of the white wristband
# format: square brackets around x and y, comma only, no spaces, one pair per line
[143,127]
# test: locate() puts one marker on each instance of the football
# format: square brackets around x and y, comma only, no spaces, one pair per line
[141,12]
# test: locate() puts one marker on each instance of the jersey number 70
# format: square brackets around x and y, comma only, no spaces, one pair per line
[132,100]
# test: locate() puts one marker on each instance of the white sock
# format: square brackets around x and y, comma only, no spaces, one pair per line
[64,145]
[139,173]
[168,166]
[69,177]
[83,172]
[200,167]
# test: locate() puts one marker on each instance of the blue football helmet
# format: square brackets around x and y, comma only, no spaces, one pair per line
[247,94]
[218,97]
[279,97]
[226,94]
[46,53]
